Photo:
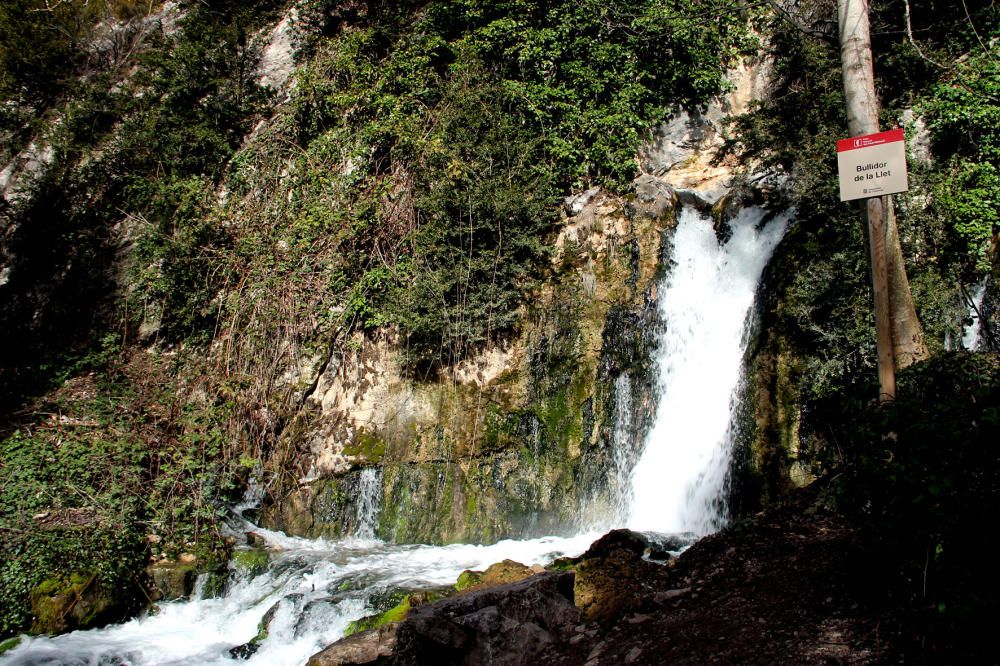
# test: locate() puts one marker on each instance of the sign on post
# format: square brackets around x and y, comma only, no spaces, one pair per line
[872,165]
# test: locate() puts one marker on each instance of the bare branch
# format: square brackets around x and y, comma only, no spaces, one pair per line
[913,43]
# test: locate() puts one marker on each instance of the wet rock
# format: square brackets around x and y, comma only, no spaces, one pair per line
[395,607]
[614,541]
[508,624]
[612,578]
[516,623]
[60,605]
[171,580]
[695,200]
[251,561]
[9,644]
[250,648]
[368,647]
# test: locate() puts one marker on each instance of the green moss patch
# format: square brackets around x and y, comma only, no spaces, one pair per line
[251,562]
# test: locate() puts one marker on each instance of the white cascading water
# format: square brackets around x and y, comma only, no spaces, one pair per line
[679,479]
[622,450]
[369,502]
[971,334]
[320,586]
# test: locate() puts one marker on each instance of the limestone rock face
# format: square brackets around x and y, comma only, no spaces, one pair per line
[682,150]
[501,444]
[278,57]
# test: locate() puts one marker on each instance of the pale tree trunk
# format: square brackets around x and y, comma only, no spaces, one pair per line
[900,340]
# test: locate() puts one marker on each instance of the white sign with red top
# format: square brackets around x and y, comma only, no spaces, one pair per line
[872,165]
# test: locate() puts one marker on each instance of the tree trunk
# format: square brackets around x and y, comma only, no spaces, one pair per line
[898,330]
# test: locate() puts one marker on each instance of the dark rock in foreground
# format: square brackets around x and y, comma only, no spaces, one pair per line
[518,623]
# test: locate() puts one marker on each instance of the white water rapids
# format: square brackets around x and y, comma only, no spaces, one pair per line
[971,333]
[320,586]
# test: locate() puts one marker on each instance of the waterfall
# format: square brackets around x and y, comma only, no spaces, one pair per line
[369,501]
[622,449]
[972,332]
[316,587]
[678,482]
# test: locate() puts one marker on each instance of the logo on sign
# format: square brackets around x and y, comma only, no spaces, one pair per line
[858,143]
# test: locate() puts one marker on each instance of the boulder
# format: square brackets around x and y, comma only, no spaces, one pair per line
[499,573]
[654,198]
[613,577]
[171,580]
[367,647]
[515,623]
[60,605]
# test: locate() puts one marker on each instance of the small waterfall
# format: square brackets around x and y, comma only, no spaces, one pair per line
[368,504]
[678,482]
[972,333]
[622,450]
[252,497]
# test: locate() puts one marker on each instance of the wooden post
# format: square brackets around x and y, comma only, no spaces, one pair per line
[877,208]
[862,118]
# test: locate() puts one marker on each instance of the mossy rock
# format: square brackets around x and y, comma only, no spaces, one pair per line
[77,602]
[398,612]
[250,561]
[394,614]
[248,649]
[507,571]
[467,579]
[215,584]
[563,564]
[9,644]
[366,446]
[171,580]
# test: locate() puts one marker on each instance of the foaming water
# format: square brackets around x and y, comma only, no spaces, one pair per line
[971,334]
[319,587]
[369,503]
[678,482]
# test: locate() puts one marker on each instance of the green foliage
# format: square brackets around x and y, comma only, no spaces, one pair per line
[83,484]
[68,505]
[459,125]
[146,152]
[963,115]
[39,49]
[175,268]
[946,221]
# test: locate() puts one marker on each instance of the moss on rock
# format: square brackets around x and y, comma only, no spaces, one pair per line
[9,644]
[251,561]
[76,602]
